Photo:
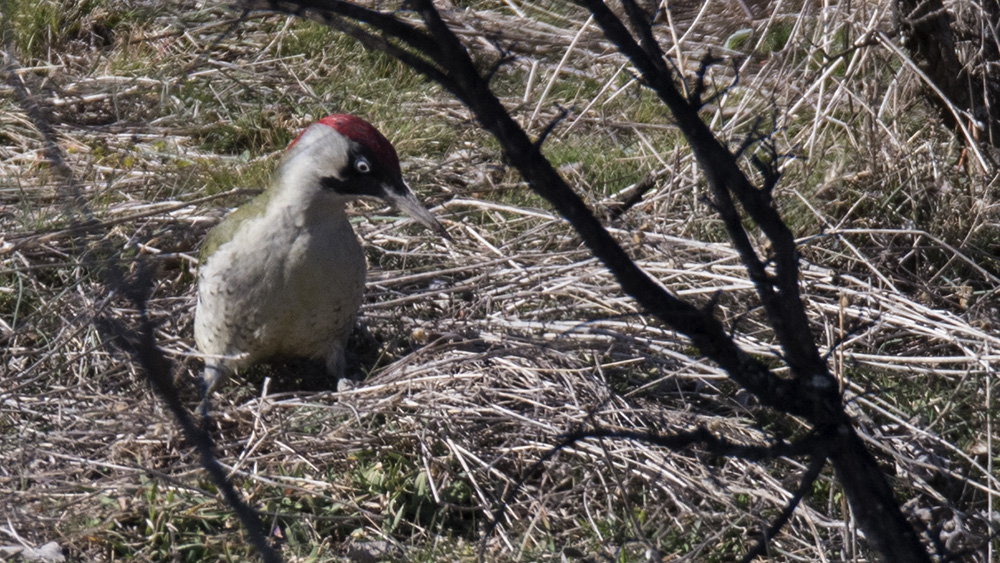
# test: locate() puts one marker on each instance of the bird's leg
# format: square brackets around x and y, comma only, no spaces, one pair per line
[336,365]
[212,376]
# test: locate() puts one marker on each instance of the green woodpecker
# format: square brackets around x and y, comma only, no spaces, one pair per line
[284,275]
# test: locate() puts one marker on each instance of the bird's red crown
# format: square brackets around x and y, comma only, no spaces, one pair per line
[363,133]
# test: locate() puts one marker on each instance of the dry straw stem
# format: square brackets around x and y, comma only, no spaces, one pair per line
[500,341]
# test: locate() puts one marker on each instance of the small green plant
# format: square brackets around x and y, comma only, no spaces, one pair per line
[408,504]
[777,36]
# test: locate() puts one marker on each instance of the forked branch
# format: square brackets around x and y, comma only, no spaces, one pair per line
[812,393]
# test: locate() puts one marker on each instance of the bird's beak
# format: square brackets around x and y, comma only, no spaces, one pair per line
[409,204]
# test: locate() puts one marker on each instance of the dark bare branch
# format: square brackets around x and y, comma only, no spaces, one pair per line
[713,444]
[805,485]
[779,294]
[551,126]
[813,393]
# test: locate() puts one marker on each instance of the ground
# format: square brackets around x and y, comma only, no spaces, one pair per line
[482,351]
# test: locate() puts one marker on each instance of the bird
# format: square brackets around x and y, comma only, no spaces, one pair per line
[283,276]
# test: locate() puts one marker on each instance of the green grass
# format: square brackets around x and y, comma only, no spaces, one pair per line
[403,489]
[777,36]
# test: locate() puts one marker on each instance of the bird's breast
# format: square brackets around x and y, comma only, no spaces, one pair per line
[281,288]
[325,262]
[324,276]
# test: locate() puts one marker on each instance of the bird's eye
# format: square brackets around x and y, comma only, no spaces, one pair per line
[362,165]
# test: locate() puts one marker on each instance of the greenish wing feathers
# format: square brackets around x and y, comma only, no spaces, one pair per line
[224,231]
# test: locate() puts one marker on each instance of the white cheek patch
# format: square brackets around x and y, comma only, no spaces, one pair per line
[319,152]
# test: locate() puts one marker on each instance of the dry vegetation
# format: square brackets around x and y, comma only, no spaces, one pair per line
[483,350]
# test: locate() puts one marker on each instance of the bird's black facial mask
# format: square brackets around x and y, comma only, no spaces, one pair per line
[360,178]
[363,177]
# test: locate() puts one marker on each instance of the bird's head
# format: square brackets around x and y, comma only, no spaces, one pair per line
[343,156]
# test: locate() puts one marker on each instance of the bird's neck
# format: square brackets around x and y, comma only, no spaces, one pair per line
[299,197]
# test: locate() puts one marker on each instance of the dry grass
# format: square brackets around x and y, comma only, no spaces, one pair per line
[494,344]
